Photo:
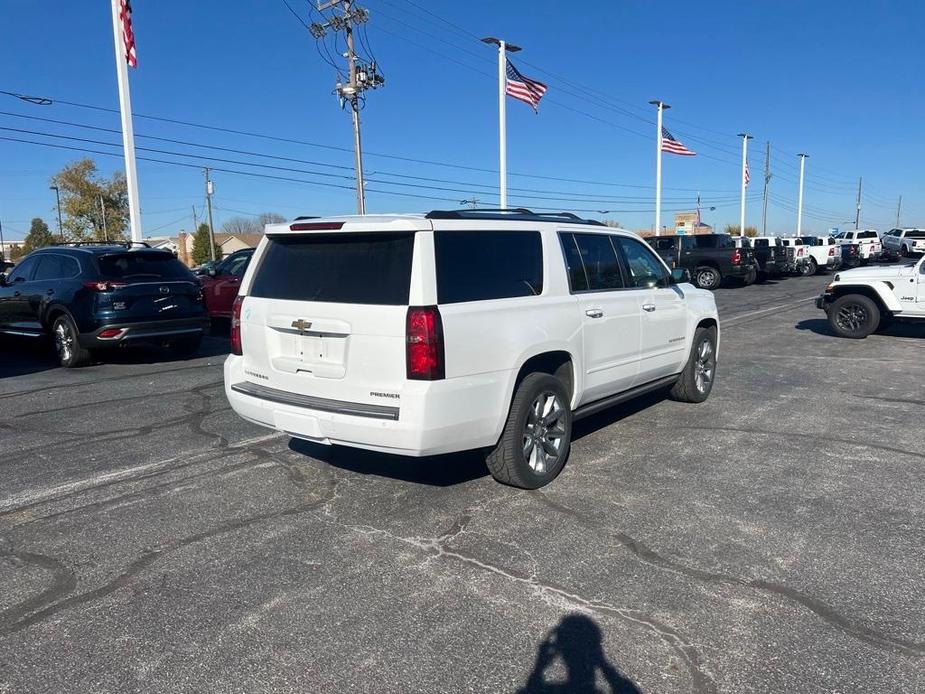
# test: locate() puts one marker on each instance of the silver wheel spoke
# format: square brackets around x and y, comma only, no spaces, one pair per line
[544,432]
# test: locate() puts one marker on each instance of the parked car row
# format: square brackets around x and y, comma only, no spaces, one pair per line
[714,258]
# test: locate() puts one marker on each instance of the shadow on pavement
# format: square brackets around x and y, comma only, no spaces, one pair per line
[576,643]
[821,326]
[19,358]
[612,415]
[436,471]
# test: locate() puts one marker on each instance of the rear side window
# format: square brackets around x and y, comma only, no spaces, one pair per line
[141,266]
[915,234]
[597,257]
[483,265]
[55,267]
[343,268]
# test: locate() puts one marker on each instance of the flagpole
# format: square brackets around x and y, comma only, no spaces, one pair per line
[128,136]
[658,166]
[502,126]
[745,138]
[800,202]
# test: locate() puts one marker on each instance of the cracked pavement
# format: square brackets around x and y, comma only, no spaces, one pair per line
[768,540]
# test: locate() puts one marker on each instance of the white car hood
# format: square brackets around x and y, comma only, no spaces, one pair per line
[876,273]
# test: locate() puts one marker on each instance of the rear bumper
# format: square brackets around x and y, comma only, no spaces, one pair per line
[741,270]
[430,417]
[146,332]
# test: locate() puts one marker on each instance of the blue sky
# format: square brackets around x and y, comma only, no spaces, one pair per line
[840,81]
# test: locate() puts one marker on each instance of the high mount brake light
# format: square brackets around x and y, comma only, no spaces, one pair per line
[424,353]
[316,226]
[236,344]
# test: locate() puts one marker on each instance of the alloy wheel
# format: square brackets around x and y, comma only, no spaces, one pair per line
[704,366]
[64,341]
[852,317]
[544,433]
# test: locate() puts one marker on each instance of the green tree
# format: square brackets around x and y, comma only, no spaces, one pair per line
[38,237]
[16,252]
[81,191]
[200,252]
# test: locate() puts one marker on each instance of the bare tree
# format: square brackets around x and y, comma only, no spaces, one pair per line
[251,225]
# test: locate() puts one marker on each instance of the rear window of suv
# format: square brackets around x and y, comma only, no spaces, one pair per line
[141,265]
[483,265]
[342,268]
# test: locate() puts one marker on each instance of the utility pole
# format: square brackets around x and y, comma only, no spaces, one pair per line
[209,190]
[360,76]
[800,199]
[745,138]
[899,208]
[103,213]
[58,198]
[767,180]
[3,251]
[857,214]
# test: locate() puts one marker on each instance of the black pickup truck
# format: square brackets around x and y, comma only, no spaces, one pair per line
[710,258]
[771,257]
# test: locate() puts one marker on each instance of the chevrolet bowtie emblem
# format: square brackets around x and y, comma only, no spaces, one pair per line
[301,325]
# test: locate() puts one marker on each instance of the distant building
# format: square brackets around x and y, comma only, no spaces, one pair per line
[686,223]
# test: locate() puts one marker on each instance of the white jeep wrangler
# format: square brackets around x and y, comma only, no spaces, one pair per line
[859,301]
[451,331]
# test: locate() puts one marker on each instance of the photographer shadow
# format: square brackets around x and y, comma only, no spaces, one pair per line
[576,641]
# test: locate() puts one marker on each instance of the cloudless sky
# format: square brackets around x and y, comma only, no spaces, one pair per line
[839,81]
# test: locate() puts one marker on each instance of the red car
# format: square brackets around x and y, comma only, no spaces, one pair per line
[221,283]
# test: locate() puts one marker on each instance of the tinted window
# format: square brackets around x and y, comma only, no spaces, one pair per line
[235,265]
[141,266]
[577,279]
[340,268]
[643,267]
[482,265]
[915,234]
[810,241]
[599,260]
[53,267]
[868,235]
[761,243]
[662,244]
[24,269]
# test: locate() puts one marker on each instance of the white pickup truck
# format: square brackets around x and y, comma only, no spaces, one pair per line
[868,241]
[903,242]
[823,251]
[801,264]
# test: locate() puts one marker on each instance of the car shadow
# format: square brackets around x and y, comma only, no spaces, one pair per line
[435,471]
[821,326]
[612,415]
[576,644]
[20,357]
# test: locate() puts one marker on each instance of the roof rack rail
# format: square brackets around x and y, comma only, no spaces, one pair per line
[515,213]
[127,244]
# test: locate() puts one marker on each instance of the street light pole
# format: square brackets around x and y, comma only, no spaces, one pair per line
[800,198]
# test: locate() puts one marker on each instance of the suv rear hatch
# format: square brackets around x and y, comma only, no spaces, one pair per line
[325,316]
[141,285]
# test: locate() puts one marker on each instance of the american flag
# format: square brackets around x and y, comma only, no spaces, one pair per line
[523,88]
[672,146]
[747,177]
[128,36]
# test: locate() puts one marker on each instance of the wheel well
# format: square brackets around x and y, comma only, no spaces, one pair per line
[707,263]
[869,292]
[51,314]
[558,364]
[707,323]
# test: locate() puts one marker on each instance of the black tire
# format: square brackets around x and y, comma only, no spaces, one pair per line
[706,277]
[808,268]
[762,277]
[905,252]
[508,461]
[750,278]
[854,316]
[67,344]
[186,347]
[696,381]
[815,267]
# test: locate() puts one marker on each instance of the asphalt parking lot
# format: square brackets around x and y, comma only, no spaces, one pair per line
[768,540]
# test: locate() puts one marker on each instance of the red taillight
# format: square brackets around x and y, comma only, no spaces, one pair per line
[236,326]
[104,286]
[424,344]
[736,256]
[832,250]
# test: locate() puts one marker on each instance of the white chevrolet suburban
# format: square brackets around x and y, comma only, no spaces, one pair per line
[458,330]
[860,301]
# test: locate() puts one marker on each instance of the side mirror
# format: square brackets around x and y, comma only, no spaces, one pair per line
[680,275]
[211,272]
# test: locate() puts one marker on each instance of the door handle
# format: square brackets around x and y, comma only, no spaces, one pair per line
[16,293]
[50,291]
[594,313]
[648,307]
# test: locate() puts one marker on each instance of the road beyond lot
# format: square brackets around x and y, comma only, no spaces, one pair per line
[768,540]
